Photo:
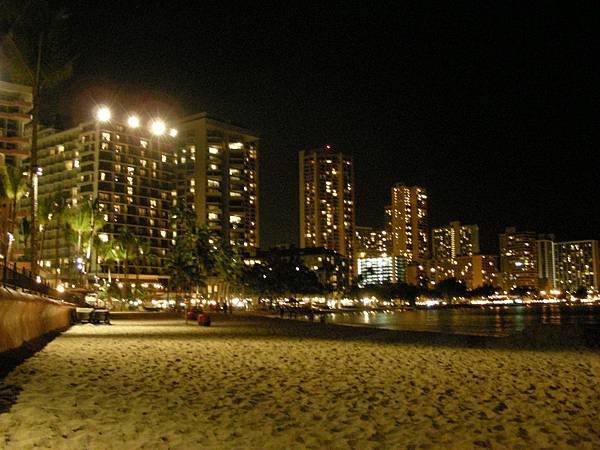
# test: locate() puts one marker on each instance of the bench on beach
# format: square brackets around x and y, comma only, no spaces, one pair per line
[93,315]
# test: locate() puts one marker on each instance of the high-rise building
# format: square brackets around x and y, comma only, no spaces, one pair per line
[217,176]
[455,240]
[128,171]
[327,200]
[545,261]
[15,104]
[370,242]
[477,270]
[577,265]
[518,263]
[409,222]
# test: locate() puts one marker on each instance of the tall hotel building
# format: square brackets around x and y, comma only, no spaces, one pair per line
[327,200]
[137,177]
[15,104]
[518,262]
[454,240]
[545,261]
[217,176]
[128,171]
[577,265]
[409,222]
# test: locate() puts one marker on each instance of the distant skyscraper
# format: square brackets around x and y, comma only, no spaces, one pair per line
[217,167]
[327,200]
[409,222]
[454,240]
[370,242]
[518,259]
[577,264]
[545,261]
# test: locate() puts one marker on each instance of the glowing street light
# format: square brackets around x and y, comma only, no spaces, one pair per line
[133,121]
[158,127]
[103,114]
[173,132]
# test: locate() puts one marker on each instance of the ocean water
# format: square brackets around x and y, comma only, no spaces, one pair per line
[483,321]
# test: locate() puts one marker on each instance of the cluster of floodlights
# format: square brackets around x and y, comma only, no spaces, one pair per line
[157,127]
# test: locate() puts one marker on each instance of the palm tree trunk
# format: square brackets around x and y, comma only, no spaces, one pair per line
[57,247]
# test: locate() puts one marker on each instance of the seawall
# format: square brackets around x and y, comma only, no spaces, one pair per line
[25,317]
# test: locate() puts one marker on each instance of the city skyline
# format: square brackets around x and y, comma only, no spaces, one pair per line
[455,116]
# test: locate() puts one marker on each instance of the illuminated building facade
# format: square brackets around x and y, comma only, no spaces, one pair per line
[15,104]
[380,270]
[217,176]
[455,240]
[128,171]
[518,262]
[545,261]
[409,222]
[327,200]
[370,242]
[577,265]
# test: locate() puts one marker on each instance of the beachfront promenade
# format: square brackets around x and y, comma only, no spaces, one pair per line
[269,383]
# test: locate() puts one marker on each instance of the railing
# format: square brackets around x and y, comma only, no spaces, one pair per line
[22,279]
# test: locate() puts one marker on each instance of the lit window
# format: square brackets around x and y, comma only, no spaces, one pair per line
[213,150]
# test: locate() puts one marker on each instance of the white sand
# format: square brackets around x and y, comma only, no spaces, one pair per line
[265,383]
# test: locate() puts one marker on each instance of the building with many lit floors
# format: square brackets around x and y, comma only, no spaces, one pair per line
[15,105]
[128,170]
[577,265]
[518,262]
[454,240]
[409,222]
[217,176]
[327,200]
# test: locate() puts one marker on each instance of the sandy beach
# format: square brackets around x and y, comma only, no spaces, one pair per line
[268,383]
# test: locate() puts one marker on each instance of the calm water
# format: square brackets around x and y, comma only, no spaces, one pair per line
[494,321]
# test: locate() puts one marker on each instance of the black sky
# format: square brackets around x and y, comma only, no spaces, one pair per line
[493,107]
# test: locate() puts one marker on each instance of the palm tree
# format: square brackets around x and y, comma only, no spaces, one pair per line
[110,252]
[129,242]
[85,222]
[60,208]
[14,187]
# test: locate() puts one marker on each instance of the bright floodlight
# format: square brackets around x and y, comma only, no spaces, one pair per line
[172,132]
[103,114]
[133,121]
[158,127]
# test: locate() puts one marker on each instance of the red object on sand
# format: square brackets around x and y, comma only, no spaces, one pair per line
[204,319]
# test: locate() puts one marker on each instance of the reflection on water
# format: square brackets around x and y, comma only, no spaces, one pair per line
[489,321]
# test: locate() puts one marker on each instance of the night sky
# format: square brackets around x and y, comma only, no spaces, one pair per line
[493,108]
